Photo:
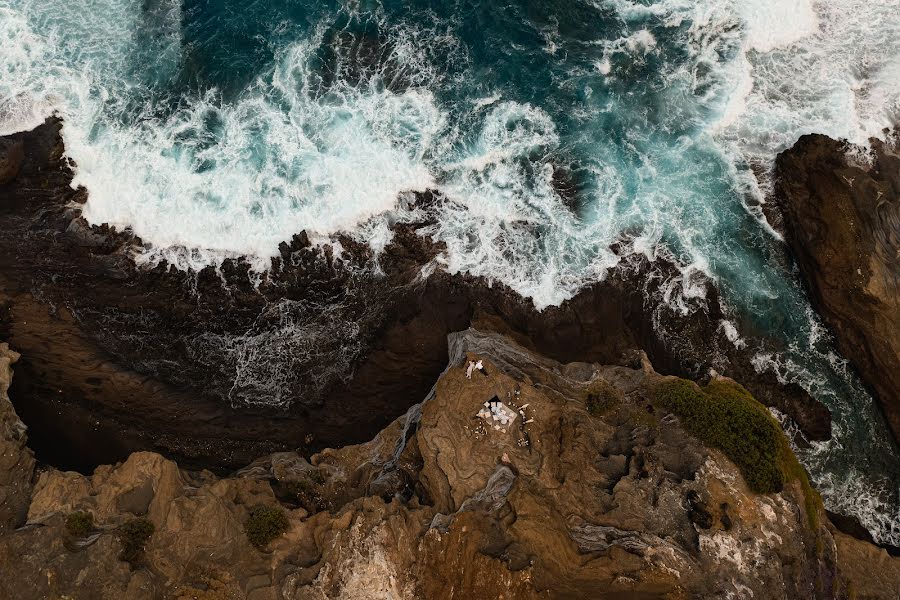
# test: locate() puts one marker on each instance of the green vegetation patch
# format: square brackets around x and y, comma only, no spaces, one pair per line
[134,535]
[265,524]
[79,523]
[600,396]
[724,415]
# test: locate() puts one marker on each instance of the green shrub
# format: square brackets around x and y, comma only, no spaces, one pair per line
[265,524]
[79,523]
[134,535]
[600,396]
[725,416]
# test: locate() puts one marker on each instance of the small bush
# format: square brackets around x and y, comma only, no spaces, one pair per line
[134,535]
[265,524]
[79,523]
[725,416]
[600,396]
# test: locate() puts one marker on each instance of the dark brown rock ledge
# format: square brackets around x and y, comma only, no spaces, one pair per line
[841,209]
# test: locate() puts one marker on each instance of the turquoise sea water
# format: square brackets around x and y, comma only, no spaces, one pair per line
[222,127]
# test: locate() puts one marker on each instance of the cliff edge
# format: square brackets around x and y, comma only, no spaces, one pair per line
[591,482]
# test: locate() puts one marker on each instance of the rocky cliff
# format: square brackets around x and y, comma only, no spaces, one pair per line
[597,486]
[841,214]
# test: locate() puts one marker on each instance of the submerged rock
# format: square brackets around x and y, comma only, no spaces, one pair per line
[841,210]
[570,503]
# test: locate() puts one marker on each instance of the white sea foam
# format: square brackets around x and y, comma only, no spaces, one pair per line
[220,178]
[329,181]
[814,67]
[777,23]
[20,109]
[501,196]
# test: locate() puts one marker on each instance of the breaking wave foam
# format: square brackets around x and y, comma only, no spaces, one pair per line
[219,177]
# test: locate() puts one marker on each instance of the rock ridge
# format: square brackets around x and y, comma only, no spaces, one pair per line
[841,214]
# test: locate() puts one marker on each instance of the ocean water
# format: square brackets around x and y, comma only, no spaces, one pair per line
[216,128]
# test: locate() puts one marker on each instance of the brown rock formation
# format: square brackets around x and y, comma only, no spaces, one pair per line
[842,223]
[16,460]
[869,571]
[615,503]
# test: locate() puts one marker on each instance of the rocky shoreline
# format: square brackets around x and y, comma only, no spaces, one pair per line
[580,499]
[215,369]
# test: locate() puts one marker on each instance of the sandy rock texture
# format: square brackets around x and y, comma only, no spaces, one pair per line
[563,502]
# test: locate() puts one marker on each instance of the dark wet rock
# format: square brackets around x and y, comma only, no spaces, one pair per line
[842,222]
[851,526]
[12,153]
[698,513]
[219,367]
[813,417]
[724,517]
[82,234]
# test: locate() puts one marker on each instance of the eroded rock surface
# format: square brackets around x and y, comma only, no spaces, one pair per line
[16,459]
[12,153]
[593,491]
[841,211]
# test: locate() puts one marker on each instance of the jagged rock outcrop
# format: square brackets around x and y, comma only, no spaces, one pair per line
[16,459]
[593,491]
[841,209]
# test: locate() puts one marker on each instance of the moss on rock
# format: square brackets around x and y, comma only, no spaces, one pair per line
[265,524]
[600,396]
[79,523]
[726,416]
[134,535]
